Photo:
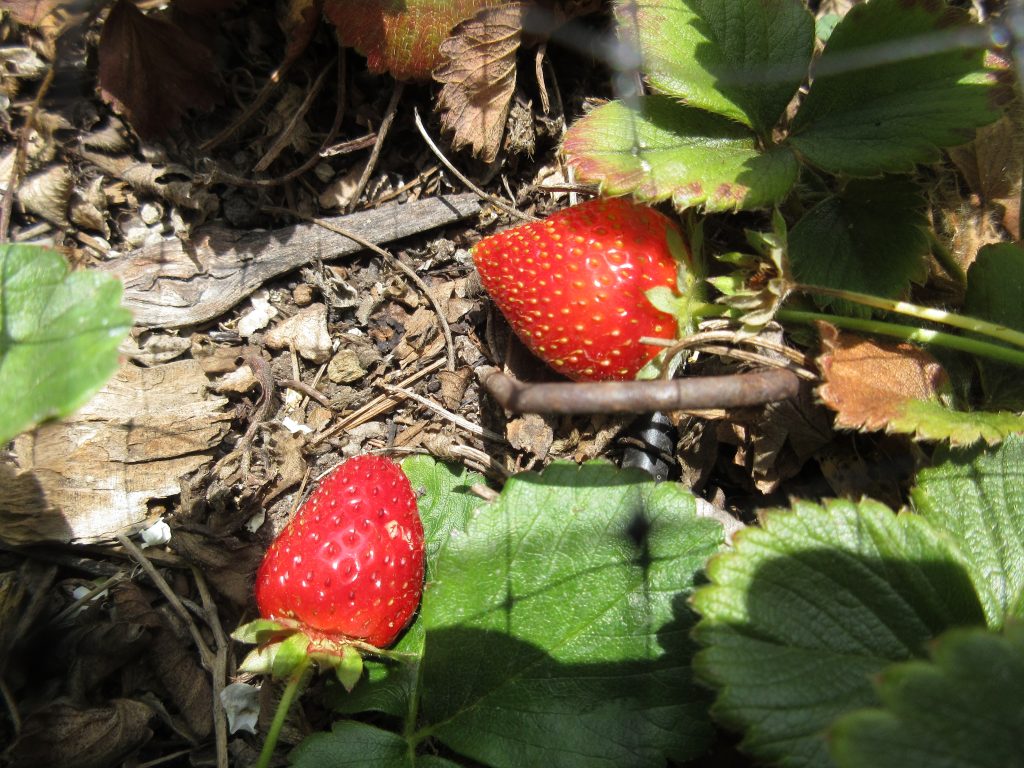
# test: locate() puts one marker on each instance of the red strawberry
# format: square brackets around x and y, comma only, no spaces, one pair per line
[572,286]
[350,563]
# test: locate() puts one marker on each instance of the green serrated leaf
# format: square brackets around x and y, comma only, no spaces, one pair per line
[934,421]
[962,709]
[355,744]
[805,610]
[742,59]
[291,653]
[670,151]
[894,85]
[995,285]
[256,631]
[444,498]
[870,238]
[59,334]
[557,624]
[1016,608]
[977,496]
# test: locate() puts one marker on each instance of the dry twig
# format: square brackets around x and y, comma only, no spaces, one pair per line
[497,202]
[382,132]
[696,392]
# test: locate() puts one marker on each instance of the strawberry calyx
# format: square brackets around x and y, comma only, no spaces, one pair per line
[285,646]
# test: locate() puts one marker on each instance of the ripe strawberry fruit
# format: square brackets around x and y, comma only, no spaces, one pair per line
[572,286]
[349,566]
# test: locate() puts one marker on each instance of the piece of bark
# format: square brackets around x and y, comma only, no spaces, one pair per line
[90,477]
[173,284]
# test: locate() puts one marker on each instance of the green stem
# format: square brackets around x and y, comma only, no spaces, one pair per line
[295,683]
[973,324]
[946,260]
[909,333]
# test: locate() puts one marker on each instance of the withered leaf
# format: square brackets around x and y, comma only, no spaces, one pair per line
[402,37]
[991,164]
[203,7]
[478,71]
[298,20]
[32,12]
[868,382]
[152,71]
[72,737]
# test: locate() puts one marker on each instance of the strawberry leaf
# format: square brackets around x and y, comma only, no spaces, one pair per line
[978,496]
[863,118]
[961,709]
[670,151]
[934,421]
[59,334]
[868,238]
[557,624]
[741,59]
[359,745]
[801,614]
[995,284]
[867,381]
[444,499]
[402,37]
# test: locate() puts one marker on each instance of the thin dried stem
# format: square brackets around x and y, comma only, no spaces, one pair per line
[442,321]
[206,656]
[219,672]
[377,406]
[382,132]
[261,98]
[285,137]
[440,410]
[497,202]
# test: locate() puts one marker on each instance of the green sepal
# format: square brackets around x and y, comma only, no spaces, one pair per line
[666,300]
[349,668]
[729,285]
[290,654]
[260,661]
[258,631]
[677,246]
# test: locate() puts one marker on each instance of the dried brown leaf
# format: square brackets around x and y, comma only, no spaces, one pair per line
[299,20]
[65,735]
[991,164]
[176,665]
[152,71]
[478,71]
[203,7]
[228,563]
[868,382]
[32,12]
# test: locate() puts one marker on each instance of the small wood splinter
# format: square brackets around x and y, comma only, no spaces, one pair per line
[695,393]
